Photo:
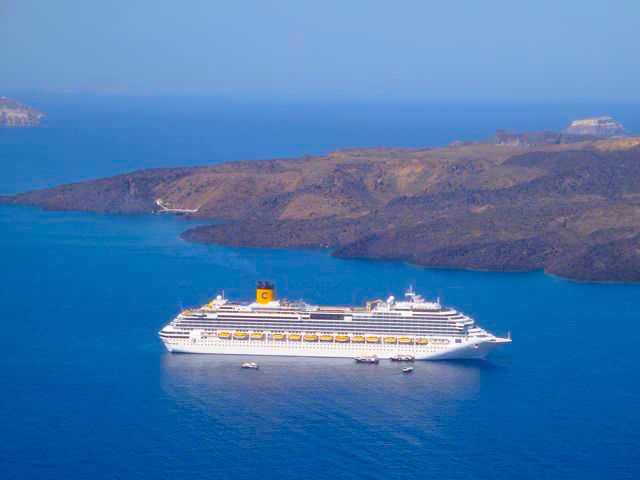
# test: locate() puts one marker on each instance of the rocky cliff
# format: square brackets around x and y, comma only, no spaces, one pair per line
[14,114]
[598,126]
[572,209]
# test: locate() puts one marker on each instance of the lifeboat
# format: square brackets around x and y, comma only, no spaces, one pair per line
[441,341]
[310,338]
[342,338]
[357,338]
[224,335]
[278,336]
[240,335]
[405,340]
[256,336]
[373,339]
[423,341]
[390,339]
[295,337]
[326,338]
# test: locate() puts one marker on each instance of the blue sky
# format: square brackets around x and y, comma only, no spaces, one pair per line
[414,49]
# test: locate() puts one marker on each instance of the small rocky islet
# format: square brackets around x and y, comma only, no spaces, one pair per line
[15,114]
[568,202]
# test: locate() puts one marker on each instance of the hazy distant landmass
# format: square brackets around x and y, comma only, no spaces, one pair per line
[598,126]
[14,114]
[567,203]
[100,85]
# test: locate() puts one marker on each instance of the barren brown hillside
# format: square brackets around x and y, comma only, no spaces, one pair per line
[570,208]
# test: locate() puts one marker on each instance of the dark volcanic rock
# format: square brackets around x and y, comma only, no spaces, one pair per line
[511,255]
[617,260]
[129,193]
[535,139]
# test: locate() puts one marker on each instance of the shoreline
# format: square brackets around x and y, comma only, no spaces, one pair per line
[566,208]
[328,250]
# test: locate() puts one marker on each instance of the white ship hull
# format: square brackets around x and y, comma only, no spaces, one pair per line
[424,330]
[450,351]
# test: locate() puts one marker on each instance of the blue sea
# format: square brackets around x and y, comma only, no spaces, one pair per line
[88,391]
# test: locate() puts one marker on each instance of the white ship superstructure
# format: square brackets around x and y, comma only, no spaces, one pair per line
[412,327]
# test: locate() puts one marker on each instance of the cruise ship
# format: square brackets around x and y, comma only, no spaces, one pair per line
[424,330]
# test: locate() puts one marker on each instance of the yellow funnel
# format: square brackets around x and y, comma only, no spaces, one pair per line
[265,292]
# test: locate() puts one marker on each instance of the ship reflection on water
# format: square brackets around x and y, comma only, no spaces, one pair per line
[328,402]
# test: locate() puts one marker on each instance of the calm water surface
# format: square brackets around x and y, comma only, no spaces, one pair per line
[87,390]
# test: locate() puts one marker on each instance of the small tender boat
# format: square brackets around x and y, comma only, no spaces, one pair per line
[402,358]
[224,335]
[326,338]
[240,335]
[390,339]
[405,340]
[373,339]
[256,335]
[407,370]
[278,336]
[251,365]
[295,337]
[357,338]
[367,359]
[310,338]
[342,338]
[423,341]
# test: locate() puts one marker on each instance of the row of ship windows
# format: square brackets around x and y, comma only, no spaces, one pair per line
[340,314]
[314,326]
[433,334]
[328,346]
[331,332]
[231,308]
[340,317]
[329,325]
[307,322]
[339,328]
[329,315]
[453,333]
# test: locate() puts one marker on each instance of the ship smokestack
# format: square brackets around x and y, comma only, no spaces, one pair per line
[265,292]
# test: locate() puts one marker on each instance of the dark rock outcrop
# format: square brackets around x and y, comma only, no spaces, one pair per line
[535,139]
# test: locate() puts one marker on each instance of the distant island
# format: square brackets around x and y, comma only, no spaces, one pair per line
[568,203]
[14,114]
[598,126]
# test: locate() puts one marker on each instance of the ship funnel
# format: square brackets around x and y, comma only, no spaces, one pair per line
[265,292]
